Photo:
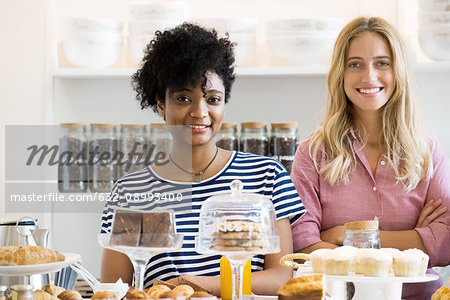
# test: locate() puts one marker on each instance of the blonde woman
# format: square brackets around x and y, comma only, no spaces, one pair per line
[369,157]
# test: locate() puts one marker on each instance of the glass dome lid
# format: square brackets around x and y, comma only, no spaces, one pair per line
[238,223]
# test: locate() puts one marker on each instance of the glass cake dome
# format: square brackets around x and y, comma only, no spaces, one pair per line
[237,225]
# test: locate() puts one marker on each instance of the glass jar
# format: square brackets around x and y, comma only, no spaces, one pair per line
[133,147]
[254,138]
[283,143]
[21,292]
[160,142]
[72,169]
[103,146]
[227,137]
[362,234]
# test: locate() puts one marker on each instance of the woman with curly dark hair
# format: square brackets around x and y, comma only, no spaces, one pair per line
[186,77]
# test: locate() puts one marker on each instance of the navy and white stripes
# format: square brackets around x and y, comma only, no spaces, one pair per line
[258,174]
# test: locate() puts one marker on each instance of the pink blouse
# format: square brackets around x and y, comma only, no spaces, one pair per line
[367,196]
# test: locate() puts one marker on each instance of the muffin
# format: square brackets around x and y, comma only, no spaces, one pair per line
[103,295]
[406,264]
[391,252]
[372,262]
[317,258]
[53,289]
[339,261]
[424,262]
[305,287]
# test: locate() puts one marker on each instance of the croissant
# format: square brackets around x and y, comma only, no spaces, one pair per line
[70,295]
[41,295]
[103,295]
[28,255]
[53,289]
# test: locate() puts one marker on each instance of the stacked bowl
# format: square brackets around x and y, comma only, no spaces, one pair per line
[305,41]
[145,18]
[91,43]
[241,31]
[434,28]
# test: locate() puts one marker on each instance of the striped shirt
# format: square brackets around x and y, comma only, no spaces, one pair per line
[259,174]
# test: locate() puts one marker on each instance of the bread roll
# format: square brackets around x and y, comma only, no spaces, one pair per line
[157,290]
[69,295]
[184,290]
[41,295]
[305,287]
[133,294]
[103,295]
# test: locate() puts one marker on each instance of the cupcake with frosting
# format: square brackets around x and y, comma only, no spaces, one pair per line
[406,264]
[317,258]
[339,261]
[373,262]
[424,259]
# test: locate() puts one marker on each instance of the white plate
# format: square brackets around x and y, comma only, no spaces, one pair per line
[40,268]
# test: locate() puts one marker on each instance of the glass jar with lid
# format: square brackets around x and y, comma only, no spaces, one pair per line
[160,142]
[254,138]
[73,147]
[103,146]
[133,146]
[227,138]
[362,234]
[283,142]
[20,292]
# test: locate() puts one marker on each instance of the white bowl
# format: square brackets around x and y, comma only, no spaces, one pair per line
[235,25]
[92,50]
[306,24]
[435,41]
[159,10]
[303,50]
[434,5]
[434,18]
[149,27]
[81,25]
[136,46]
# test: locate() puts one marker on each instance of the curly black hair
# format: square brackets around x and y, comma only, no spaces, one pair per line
[181,57]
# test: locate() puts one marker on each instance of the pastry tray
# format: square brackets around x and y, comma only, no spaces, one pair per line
[40,268]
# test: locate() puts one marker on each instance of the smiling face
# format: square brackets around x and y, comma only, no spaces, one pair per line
[199,116]
[369,75]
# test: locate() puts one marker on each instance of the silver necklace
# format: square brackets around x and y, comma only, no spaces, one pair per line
[198,175]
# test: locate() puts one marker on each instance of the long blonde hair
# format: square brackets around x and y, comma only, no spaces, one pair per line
[407,149]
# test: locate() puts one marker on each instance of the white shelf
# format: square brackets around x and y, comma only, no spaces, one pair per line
[74,73]
[126,73]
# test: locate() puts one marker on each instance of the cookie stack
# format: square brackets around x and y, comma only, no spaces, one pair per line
[238,236]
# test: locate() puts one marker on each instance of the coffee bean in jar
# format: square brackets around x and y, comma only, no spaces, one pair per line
[103,156]
[254,138]
[72,169]
[283,143]
[227,138]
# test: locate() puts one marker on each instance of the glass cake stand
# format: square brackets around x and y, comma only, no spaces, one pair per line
[239,226]
[141,235]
